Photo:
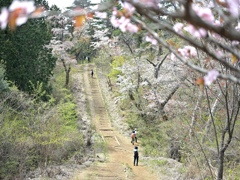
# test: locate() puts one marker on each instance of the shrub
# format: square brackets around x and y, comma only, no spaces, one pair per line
[116,63]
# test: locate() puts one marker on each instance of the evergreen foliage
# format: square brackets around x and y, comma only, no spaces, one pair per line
[82,50]
[3,84]
[24,55]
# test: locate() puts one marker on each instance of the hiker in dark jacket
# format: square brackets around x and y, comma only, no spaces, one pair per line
[136,156]
[92,73]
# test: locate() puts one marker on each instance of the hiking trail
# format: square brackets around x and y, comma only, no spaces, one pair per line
[118,164]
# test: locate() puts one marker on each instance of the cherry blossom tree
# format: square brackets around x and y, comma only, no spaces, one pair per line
[196,26]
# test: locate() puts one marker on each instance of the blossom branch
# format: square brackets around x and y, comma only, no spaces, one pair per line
[184,61]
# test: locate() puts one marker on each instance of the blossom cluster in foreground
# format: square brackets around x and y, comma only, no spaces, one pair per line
[17,13]
[121,19]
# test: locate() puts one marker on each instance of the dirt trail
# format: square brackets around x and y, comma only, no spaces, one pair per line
[119,162]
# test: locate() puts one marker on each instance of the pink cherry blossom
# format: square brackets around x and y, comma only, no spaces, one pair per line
[183,52]
[217,23]
[234,7]
[114,12]
[211,4]
[173,57]
[210,77]
[151,39]
[123,23]
[114,21]
[204,13]
[129,8]
[132,28]
[178,27]
[198,33]
[188,51]
[202,32]
[27,8]
[191,51]
[4,18]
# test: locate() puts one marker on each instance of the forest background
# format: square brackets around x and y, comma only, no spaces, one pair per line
[172,70]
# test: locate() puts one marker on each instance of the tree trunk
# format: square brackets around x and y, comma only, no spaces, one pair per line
[209,122]
[67,76]
[67,71]
[220,168]
[158,65]
[194,115]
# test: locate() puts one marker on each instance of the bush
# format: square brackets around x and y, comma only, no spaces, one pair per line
[116,63]
[34,133]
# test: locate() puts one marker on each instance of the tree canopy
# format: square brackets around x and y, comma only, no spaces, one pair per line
[24,55]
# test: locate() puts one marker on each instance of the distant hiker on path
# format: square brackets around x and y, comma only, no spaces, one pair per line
[135,161]
[92,73]
[133,137]
[135,131]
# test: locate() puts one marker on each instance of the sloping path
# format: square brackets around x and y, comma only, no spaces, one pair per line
[119,162]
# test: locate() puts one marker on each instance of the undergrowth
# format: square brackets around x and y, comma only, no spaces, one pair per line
[35,133]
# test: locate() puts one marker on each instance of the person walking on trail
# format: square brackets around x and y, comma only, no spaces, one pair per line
[92,73]
[135,131]
[133,137]
[136,156]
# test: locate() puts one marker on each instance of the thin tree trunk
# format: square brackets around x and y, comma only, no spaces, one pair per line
[67,76]
[67,71]
[170,95]
[194,116]
[209,122]
[173,91]
[232,111]
[220,168]
[158,65]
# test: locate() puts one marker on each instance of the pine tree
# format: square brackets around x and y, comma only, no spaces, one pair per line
[26,60]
